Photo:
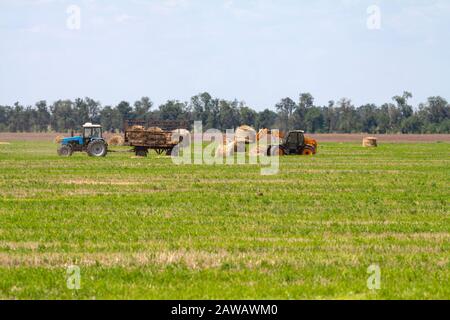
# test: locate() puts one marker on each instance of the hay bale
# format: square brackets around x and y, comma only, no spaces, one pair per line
[116,140]
[137,128]
[4,143]
[245,134]
[181,136]
[267,134]
[226,150]
[154,129]
[370,142]
[58,139]
[258,151]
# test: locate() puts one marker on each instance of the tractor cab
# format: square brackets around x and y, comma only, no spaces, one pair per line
[294,141]
[92,132]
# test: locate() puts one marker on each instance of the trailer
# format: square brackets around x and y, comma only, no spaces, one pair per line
[144,135]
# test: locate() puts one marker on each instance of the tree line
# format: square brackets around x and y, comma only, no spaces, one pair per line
[397,116]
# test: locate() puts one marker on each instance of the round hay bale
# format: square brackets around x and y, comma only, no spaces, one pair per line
[116,140]
[58,139]
[370,142]
[245,134]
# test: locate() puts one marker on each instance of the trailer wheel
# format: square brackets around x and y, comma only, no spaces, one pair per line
[170,151]
[97,148]
[141,153]
[65,151]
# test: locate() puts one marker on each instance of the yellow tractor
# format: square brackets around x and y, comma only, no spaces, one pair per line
[296,143]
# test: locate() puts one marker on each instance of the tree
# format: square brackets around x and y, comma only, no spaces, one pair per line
[266,119]
[247,115]
[43,116]
[435,110]
[63,116]
[348,118]
[81,112]
[306,101]
[93,108]
[142,108]
[395,118]
[330,116]
[285,110]
[205,108]
[314,120]
[228,114]
[124,109]
[172,110]
[412,124]
[111,119]
[402,104]
[368,116]
[382,119]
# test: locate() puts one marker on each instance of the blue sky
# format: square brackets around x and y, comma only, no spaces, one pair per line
[258,51]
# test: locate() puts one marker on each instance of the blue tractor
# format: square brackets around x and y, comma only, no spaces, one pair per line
[91,141]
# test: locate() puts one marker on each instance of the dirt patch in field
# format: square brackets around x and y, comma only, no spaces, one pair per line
[388,138]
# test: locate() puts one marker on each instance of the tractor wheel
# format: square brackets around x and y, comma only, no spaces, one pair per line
[65,151]
[308,151]
[97,149]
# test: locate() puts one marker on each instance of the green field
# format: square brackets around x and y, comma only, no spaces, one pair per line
[147,229]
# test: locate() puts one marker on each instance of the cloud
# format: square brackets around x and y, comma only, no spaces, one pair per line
[124,18]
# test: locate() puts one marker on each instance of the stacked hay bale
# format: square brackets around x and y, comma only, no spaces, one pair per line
[370,142]
[157,136]
[137,135]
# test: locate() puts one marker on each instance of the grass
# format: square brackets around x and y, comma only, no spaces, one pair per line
[147,229]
